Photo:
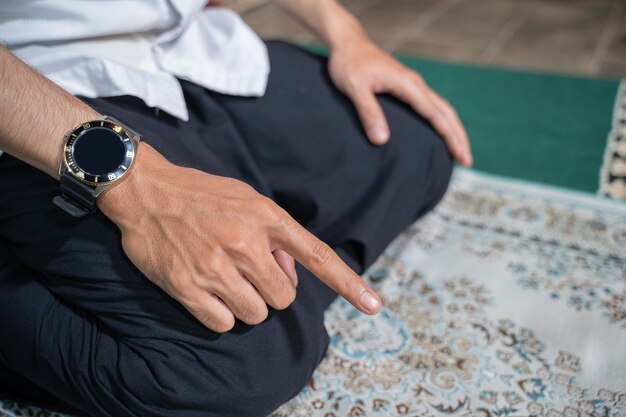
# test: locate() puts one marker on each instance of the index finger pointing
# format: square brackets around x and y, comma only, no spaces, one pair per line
[324,263]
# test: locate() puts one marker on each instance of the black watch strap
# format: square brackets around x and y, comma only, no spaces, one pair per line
[76,198]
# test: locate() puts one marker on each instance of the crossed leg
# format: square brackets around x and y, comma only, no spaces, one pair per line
[82,323]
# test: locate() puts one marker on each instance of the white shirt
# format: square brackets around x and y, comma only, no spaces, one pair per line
[99,48]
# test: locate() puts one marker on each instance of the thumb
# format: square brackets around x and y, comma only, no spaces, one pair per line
[372,116]
[287,264]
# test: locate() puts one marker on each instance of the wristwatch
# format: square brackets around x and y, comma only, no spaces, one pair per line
[96,156]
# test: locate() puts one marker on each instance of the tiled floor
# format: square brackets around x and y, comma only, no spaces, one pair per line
[579,37]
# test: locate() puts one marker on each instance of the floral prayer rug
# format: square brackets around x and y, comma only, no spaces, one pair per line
[508,300]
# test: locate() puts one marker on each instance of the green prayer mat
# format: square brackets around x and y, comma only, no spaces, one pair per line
[539,127]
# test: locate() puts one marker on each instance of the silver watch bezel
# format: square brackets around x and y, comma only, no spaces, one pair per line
[100,183]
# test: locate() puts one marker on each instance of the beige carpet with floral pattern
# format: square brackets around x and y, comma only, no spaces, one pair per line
[508,300]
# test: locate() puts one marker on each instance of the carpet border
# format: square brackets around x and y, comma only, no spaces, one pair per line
[613,184]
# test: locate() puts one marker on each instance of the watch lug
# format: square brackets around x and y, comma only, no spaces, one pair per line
[136,139]
[100,189]
[62,169]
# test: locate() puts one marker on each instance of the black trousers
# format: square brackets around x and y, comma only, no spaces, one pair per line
[83,331]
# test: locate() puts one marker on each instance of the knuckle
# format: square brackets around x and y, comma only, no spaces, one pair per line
[249,312]
[354,83]
[283,226]
[214,266]
[256,316]
[351,283]
[443,127]
[179,285]
[240,244]
[278,288]
[439,119]
[235,184]
[287,225]
[417,78]
[212,321]
[285,300]
[447,107]
[222,325]
[426,109]
[320,254]
[266,208]
[279,221]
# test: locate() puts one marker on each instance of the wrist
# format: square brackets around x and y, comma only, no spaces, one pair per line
[80,115]
[50,161]
[344,32]
[125,197]
[145,191]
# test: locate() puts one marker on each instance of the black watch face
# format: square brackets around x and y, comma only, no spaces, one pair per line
[99,152]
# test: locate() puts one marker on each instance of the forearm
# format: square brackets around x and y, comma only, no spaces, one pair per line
[35,114]
[328,19]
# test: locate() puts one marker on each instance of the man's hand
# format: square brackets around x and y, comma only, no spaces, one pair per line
[213,243]
[361,70]
[217,246]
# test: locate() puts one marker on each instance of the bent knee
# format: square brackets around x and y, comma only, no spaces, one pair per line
[421,157]
[441,166]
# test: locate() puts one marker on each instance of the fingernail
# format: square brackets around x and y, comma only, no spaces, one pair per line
[370,301]
[380,134]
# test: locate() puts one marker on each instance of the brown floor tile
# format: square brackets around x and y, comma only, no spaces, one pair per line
[358,6]
[384,22]
[428,49]
[524,58]
[617,43]
[561,28]
[470,24]
[387,39]
[243,6]
[560,36]
[413,8]
[594,4]
[613,67]
[388,23]
[270,22]
[386,35]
